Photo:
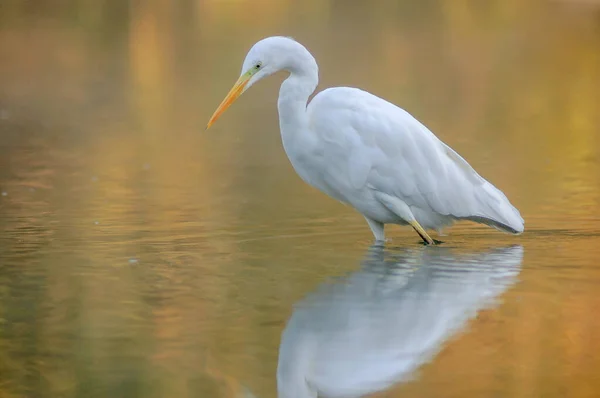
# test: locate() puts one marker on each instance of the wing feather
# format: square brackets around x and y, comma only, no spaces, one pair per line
[388,150]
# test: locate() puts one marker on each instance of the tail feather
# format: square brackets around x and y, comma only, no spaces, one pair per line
[488,205]
[496,211]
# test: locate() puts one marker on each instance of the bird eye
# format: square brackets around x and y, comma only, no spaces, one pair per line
[257,66]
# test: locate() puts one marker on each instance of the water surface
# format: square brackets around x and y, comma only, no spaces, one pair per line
[141,256]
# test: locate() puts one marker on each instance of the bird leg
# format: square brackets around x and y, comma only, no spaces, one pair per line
[422,233]
[401,209]
[377,229]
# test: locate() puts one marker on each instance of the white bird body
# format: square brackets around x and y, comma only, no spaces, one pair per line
[369,153]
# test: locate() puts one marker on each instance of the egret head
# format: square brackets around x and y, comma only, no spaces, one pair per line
[266,57]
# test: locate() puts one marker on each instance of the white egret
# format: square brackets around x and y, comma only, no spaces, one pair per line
[367,152]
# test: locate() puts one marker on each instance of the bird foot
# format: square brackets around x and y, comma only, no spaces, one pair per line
[435,242]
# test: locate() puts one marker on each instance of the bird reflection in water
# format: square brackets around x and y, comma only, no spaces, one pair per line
[378,325]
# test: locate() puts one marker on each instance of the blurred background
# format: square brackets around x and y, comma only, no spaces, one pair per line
[143,257]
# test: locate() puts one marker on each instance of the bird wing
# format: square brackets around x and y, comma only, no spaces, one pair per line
[384,148]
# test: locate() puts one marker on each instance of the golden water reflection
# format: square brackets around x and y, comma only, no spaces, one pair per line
[140,256]
[374,328]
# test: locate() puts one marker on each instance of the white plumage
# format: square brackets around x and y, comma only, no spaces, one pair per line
[369,153]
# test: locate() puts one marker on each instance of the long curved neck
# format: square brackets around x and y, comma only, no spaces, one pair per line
[293,98]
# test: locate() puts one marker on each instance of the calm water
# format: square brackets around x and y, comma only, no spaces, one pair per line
[143,257]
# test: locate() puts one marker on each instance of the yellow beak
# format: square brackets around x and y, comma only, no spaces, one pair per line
[234,93]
